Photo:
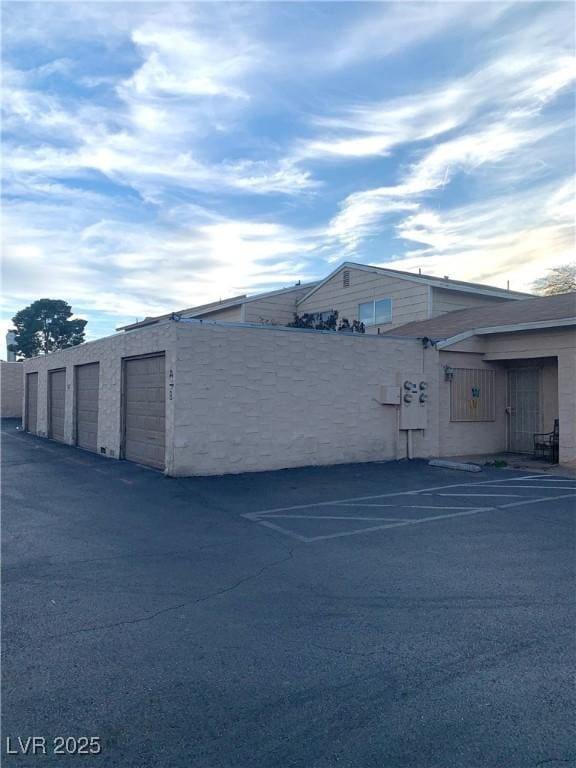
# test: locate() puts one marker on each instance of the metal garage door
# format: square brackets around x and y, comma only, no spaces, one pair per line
[87,390]
[144,410]
[32,402]
[56,400]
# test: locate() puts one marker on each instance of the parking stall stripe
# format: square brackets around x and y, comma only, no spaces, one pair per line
[403,506]
[389,495]
[417,521]
[335,517]
[535,501]
[547,487]
[472,494]
[285,531]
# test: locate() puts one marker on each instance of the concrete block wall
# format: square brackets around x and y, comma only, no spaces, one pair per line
[251,399]
[460,438]
[11,389]
[109,352]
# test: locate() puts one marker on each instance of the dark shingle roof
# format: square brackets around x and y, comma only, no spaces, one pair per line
[561,307]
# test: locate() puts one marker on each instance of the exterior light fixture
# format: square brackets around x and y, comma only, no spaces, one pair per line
[448,373]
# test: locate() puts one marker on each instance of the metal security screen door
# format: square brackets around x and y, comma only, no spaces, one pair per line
[523,408]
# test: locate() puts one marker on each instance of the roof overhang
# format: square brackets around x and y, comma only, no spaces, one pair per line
[515,328]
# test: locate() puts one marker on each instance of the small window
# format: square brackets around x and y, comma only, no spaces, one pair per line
[346,279]
[376,312]
[383,311]
[472,395]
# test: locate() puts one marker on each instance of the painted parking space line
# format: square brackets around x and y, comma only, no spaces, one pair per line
[547,487]
[400,500]
[482,495]
[391,495]
[403,506]
[335,517]
[406,523]
[547,499]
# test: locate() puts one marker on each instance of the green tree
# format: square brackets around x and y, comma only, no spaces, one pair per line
[558,280]
[44,327]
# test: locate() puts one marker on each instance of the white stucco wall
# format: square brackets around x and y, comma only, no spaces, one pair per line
[250,399]
[11,389]
[109,352]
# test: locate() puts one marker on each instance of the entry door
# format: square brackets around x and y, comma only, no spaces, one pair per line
[144,410]
[32,403]
[523,408]
[56,403]
[87,391]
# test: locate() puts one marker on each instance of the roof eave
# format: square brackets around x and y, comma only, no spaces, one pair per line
[500,293]
[512,328]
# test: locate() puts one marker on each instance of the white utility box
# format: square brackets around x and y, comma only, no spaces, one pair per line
[389,395]
[413,402]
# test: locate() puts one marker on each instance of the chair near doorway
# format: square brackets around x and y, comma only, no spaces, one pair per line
[546,443]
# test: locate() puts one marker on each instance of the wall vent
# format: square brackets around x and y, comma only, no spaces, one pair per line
[346,278]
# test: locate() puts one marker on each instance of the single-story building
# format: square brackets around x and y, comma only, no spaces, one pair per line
[195,395]
[209,397]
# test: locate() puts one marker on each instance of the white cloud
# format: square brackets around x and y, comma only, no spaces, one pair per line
[179,63]
[387,28]
[511,85]
[510,238]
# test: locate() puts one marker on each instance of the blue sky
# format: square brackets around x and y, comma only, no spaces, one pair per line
[161,155]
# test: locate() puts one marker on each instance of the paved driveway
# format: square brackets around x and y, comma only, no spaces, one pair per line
[367,616]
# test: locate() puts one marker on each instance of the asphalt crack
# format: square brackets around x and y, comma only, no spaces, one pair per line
[179,606]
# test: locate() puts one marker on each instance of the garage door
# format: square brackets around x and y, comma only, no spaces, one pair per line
[144,410]
[32,402]
[87,390]
[56,400]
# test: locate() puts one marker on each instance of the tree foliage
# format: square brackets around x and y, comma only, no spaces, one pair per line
[326,321]
[558,280]
[44,327]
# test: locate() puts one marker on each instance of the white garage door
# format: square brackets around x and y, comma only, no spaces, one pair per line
[56,402]
[144,410]
[87,390]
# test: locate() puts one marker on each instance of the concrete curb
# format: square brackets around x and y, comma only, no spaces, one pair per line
[455,465]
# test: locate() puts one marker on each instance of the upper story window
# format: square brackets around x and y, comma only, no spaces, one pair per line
[375,312]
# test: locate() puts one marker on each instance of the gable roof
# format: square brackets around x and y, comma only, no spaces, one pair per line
[435,282]
[211,307]
[545,311]
[215,306]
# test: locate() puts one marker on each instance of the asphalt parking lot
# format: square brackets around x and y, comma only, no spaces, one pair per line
[361,616]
